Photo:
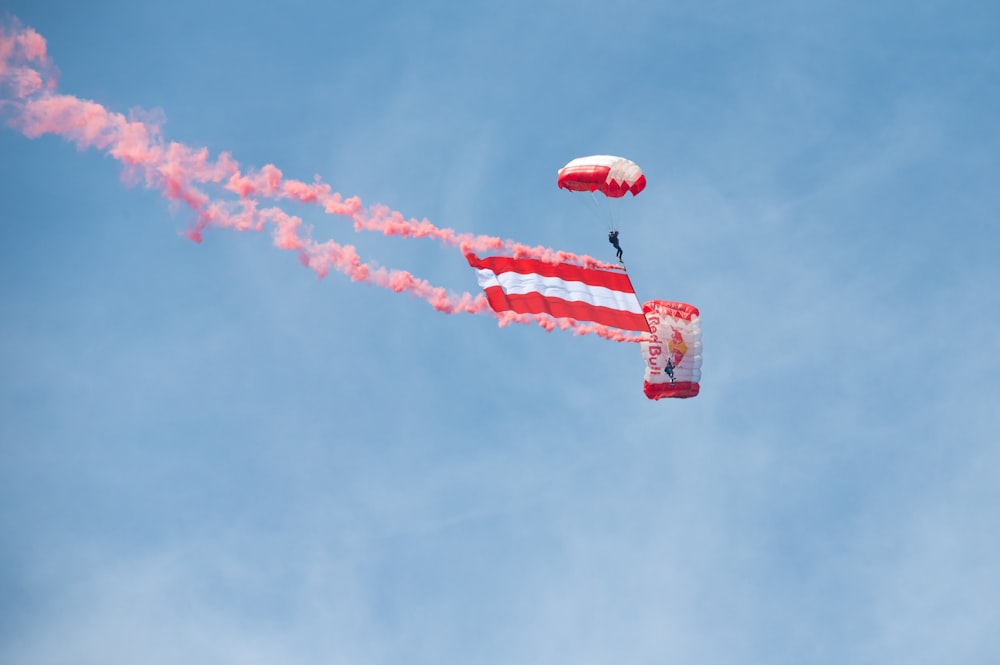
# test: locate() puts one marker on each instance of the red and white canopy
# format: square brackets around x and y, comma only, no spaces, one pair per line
[676,337]
[614,176]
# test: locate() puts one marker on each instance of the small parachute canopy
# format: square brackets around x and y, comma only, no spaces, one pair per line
[613,176]
[674,347]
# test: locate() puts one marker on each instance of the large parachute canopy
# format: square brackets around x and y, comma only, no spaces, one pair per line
[673,352]
[613,176]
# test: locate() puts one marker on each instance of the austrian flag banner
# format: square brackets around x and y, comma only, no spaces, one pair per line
[529,286]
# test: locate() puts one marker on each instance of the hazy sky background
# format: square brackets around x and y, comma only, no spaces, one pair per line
[211,456]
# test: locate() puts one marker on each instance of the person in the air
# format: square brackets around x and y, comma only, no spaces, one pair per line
[669,369]
[613,239]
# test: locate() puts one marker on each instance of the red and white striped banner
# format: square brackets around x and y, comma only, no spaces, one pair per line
[529,286]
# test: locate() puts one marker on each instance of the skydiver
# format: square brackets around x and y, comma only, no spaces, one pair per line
[613,239]
[669,369]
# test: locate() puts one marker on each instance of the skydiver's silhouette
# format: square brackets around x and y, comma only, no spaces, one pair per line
[613,239]
[669,369]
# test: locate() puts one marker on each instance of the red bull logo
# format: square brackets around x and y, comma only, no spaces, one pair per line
[676,347]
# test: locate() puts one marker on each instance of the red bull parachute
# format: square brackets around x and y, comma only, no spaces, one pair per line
[673,350]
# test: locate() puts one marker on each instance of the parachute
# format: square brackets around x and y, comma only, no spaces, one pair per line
[612,176]
[673,352]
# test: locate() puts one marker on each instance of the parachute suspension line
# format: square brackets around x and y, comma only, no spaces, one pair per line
[599,206]
[591,207]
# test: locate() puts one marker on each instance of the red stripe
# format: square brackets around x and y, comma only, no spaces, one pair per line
[591,178]
[680,389]
[677,310]
[638,185]
[616,281]
[536,303]
[582,177]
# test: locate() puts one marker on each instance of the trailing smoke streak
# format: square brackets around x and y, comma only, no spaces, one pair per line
[269,182]
[177,171]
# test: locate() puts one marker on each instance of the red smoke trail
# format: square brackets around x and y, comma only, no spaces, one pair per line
[270,182]
[30,103]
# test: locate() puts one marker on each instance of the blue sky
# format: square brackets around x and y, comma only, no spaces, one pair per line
[210,455]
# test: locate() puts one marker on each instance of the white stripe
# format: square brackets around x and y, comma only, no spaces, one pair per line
[514,283]
[620,169]
[599,160]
